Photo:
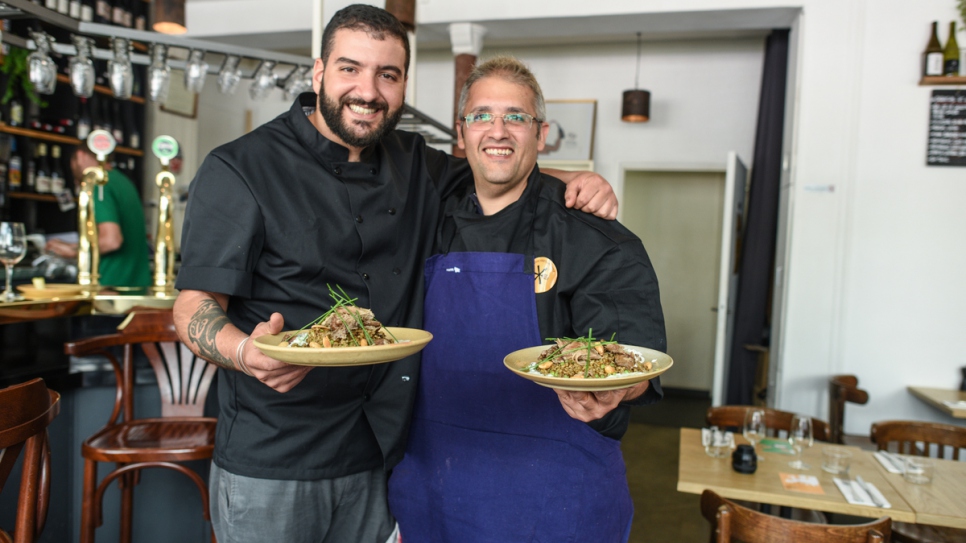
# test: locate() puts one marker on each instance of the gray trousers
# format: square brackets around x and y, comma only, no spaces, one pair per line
[350,509]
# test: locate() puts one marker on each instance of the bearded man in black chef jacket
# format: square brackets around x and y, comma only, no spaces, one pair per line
[491,456]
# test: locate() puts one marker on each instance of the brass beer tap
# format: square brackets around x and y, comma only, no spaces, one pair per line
[102,143]
[165,148]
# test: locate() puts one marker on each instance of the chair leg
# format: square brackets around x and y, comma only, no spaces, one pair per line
[127,482]
[88,510]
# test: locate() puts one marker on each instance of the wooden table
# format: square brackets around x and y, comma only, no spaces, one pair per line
[941,502]
[936,396]
[697,471]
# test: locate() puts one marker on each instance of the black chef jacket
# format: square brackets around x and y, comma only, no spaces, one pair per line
[605,280]
[273,217]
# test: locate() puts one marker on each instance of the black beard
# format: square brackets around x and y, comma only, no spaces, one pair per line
[332,113]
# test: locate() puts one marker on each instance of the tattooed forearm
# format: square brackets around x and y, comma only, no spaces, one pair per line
[205,324]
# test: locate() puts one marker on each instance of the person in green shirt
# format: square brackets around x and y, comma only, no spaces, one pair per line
[122,237]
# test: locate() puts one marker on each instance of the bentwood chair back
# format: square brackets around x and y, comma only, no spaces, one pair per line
[181,433]
[921,439]
[730,521]
[25,412]
[778,422]
[842,389]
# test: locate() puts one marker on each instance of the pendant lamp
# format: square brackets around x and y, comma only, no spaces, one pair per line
[169,17]
[637,103]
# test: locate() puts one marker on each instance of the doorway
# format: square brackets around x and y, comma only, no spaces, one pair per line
[678,216]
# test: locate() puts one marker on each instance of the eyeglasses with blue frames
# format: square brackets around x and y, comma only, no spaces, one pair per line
[512,121]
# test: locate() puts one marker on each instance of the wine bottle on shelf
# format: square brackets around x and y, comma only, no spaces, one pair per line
[74,9]
[4,167]
[87,9]
[102,12]
[951,53]
[15,111]
[14,168]
[63,7]
[117,13]
[57,180]
[128,13]
[32,116]
[140,17]
[117,124]
[106,122]
[932,57]
[97,121]
[50,4]
[30,173]
[83,119]
[42,182]
[131,125]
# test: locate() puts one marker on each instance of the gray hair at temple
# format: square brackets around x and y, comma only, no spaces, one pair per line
[512,70]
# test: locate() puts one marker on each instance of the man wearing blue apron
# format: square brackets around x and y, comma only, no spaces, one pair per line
[493,457]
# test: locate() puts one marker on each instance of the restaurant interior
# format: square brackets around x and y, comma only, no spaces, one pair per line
[790,168]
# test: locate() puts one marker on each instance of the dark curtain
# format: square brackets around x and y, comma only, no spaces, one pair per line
[756,262]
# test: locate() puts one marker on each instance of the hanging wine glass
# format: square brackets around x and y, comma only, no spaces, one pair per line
[159,73]
[82,67]
[265,81]
[298,82]
[41,69]
[230,75]
[195,71]
[119,69]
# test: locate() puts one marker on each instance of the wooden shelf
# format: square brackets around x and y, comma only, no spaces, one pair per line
[33,196]
[99,89]
[949,80]
[58,138]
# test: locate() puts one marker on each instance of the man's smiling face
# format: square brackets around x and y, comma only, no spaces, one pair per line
[501,156]
[361,87]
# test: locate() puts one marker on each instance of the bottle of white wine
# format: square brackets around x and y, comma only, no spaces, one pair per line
[951,52]
[932,57]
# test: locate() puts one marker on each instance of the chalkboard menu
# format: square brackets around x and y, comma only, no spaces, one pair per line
[947,128]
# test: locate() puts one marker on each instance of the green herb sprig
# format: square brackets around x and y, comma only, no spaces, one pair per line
[341,300]
[588,341]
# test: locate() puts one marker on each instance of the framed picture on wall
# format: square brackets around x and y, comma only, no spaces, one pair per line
[571,135]
[180,100]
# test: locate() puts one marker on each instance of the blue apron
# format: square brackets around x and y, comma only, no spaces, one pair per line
[493,458]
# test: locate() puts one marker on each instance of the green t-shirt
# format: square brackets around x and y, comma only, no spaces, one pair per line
[120,203]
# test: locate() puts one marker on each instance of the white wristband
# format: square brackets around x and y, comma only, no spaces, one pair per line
[240,357]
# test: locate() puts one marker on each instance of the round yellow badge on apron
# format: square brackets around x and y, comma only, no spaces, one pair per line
[545,274]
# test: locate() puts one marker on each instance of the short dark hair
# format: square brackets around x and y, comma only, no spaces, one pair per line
[376,22]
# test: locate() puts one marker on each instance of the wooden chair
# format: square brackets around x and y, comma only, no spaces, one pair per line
[733,417]
[729,520]
[842,389]
[25,412]
[921,439]
[180,434]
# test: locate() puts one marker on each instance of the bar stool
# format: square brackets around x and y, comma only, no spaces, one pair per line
[25,412]
[181,433]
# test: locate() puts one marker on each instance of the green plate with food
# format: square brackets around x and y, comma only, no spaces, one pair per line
[346,335]
[587,364]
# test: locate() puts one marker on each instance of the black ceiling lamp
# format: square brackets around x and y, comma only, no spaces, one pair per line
[637,103]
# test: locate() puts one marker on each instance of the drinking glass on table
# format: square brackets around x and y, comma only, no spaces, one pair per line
[800,436]
[755,429]
[13,247]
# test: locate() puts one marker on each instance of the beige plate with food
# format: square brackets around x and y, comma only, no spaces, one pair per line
[517,360]
[50,291]
[411,341]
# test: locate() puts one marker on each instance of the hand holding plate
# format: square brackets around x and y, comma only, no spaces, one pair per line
[278,375]
[588,406]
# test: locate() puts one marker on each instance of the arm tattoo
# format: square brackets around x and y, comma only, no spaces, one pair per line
[205,324]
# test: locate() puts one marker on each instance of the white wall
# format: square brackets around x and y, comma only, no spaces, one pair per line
[704,96]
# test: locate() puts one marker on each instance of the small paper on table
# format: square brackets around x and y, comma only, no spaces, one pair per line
[797,482]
